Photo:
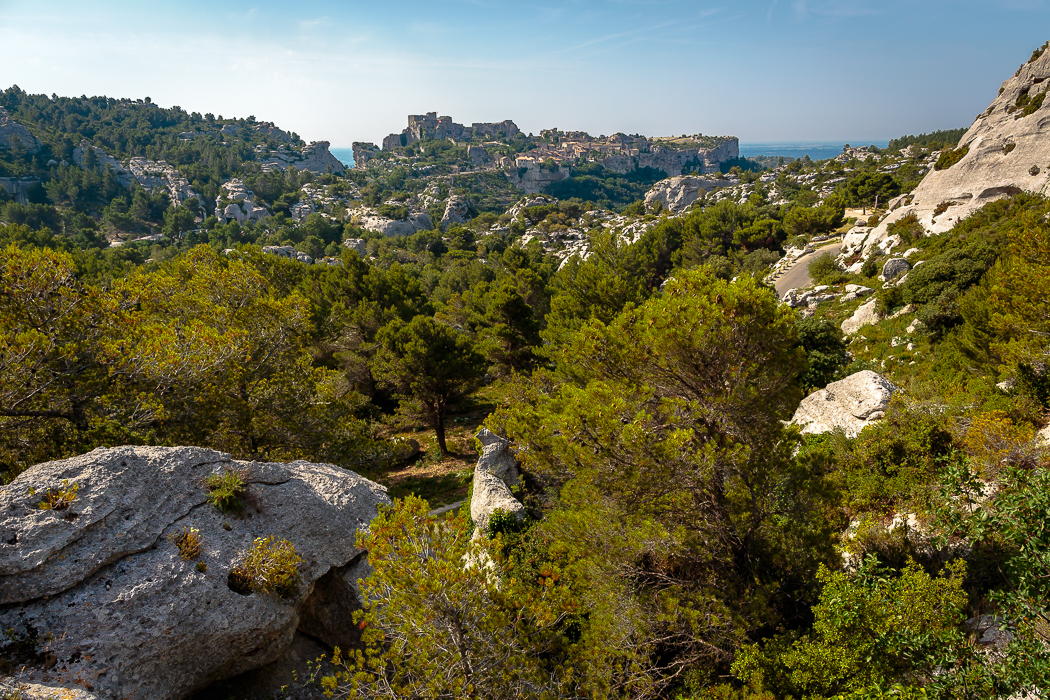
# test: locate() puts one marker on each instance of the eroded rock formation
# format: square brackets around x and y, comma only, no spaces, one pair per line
[97,591]
[850,404]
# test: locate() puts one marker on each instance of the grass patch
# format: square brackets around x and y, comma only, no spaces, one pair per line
[270,566]
[188,542]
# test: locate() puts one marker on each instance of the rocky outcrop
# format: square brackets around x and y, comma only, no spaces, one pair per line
[18,188]
[457,211]
[102,159]
[494,475]
[1005,151]
[865,315]
[158,174]
[314,157]
[287,251]
[850,404]
[894,268]
[678,193]
[237,203]
[12,133]
[364,152]
[98,590]
[358,245]
[531,175]
[371,220]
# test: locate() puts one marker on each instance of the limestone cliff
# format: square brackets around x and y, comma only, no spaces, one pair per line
[1005,151]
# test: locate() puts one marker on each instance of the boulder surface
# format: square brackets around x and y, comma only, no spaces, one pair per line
[851,404]
[96,594]
[495,473]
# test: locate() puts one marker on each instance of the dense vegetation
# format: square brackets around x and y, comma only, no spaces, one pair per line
[681,541]
[935,140]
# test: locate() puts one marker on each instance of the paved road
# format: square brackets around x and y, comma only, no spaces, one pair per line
[798,275]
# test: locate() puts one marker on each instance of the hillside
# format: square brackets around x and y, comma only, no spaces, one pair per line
[619,464]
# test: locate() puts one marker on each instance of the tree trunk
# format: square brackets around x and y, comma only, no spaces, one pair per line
[439,429]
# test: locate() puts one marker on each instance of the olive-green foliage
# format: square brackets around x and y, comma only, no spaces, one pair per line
[271,565]
[933,140]
[661,430]
[872,627]
[188,542]
[824,269]
[896,462]
[227,489]
[807,221]
[866,188]
[825,351]
[907,227]
[437,623]
[58,498]
[950,156]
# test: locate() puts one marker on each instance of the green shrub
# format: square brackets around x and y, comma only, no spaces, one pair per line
[1034,170]
[1008,148]
[502,522]
[270,566]
[60,498]
[907,227]
[825,351]
[824,269]
[941,208]
[950,157]
[226,490]
[188,542]
[202,567]
[869,268]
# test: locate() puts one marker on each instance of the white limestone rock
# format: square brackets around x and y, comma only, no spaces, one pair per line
[457,211]
[102,585]
[865,315]
[850,404]
[494,474]
[1008,153]
[678,193]
[358,245]
[894,268]
[12,132]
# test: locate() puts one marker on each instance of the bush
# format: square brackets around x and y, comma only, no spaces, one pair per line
[825,351]
[226,490]
[950,157]
[60,498]
[188,542]
[824,269]
[907,227]
[270,566]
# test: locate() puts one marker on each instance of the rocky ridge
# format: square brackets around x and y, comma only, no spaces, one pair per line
[11,132]
[1004,152]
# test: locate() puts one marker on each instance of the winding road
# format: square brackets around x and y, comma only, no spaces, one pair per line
[798,275]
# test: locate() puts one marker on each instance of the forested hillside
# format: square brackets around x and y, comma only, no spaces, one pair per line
[680,538]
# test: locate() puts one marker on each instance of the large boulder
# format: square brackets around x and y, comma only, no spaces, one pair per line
[98,590]
[850,404]
[494,475]
[865,315]
[894,268]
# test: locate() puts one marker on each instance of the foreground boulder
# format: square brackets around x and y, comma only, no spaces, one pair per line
[851,404]
[96,593]
[494,475]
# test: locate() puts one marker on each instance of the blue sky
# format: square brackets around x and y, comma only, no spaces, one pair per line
[762,70]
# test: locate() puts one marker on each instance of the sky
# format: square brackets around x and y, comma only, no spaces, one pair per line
[762,70]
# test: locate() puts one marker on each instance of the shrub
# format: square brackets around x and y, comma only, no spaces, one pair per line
[907,227]
[1008,148]
[825,351]
[188,542]
[226,490]
[270,566]
[824,269]
[950,157]
[60,498]
[869,268]
[941,208]
[1034,170]
[202,567]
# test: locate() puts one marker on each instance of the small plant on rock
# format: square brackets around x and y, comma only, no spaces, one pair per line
[941,208]
[188,542]
[270,566]
[226,489]
[60,498]
[950,156]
